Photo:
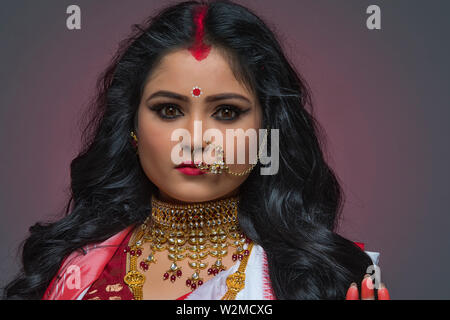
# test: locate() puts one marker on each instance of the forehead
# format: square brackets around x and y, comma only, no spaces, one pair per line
[180,70]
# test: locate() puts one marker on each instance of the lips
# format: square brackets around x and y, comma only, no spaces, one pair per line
[186,164]
[189,168]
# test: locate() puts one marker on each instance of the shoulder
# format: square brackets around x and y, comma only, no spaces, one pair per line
[82,267]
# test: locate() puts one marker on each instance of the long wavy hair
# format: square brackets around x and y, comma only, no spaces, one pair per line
[293,214]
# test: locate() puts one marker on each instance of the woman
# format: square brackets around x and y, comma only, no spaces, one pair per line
[144,226]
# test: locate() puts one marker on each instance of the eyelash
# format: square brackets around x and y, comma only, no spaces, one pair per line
[238,111]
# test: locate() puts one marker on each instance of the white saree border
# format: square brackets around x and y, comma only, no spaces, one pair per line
[257,283]
[80,297]
[257,280]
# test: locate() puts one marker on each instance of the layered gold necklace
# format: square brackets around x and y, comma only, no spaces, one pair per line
[189,231]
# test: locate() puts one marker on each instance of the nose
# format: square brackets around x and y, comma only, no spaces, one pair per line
[198,145]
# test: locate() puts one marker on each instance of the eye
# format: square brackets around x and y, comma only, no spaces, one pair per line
[229,113]
[167,111]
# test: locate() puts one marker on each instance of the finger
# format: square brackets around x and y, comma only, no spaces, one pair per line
[352,292]
[383,293]
[367,292]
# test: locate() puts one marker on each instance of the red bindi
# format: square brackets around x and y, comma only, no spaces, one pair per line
[196,92]
[199,49]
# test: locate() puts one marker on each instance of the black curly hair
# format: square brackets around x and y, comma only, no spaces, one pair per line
[293,214]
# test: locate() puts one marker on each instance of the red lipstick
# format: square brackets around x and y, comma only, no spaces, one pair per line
[189,168]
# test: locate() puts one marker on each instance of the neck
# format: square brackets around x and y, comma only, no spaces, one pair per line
[191,231]
[195,216]
[164,197]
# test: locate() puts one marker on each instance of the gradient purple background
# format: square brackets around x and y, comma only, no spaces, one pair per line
[382,97]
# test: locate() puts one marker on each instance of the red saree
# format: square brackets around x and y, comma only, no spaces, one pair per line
[97,271]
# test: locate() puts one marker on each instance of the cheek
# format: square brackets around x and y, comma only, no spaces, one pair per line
[241,150]
[244,148]
[152,139]
[154,144]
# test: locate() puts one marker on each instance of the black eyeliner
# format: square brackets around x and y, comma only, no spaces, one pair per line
[239,111]
[158,107]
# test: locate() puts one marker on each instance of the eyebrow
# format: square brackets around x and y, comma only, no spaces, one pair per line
[221,96]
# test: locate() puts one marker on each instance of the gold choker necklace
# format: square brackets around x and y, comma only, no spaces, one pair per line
[191,231]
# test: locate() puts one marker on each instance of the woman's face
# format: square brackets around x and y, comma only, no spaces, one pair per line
[160,115]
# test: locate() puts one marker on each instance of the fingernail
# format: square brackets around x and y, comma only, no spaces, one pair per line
[352,293]
[383,294]
[367,291]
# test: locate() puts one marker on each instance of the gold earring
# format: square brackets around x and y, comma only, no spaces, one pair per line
[134,142]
